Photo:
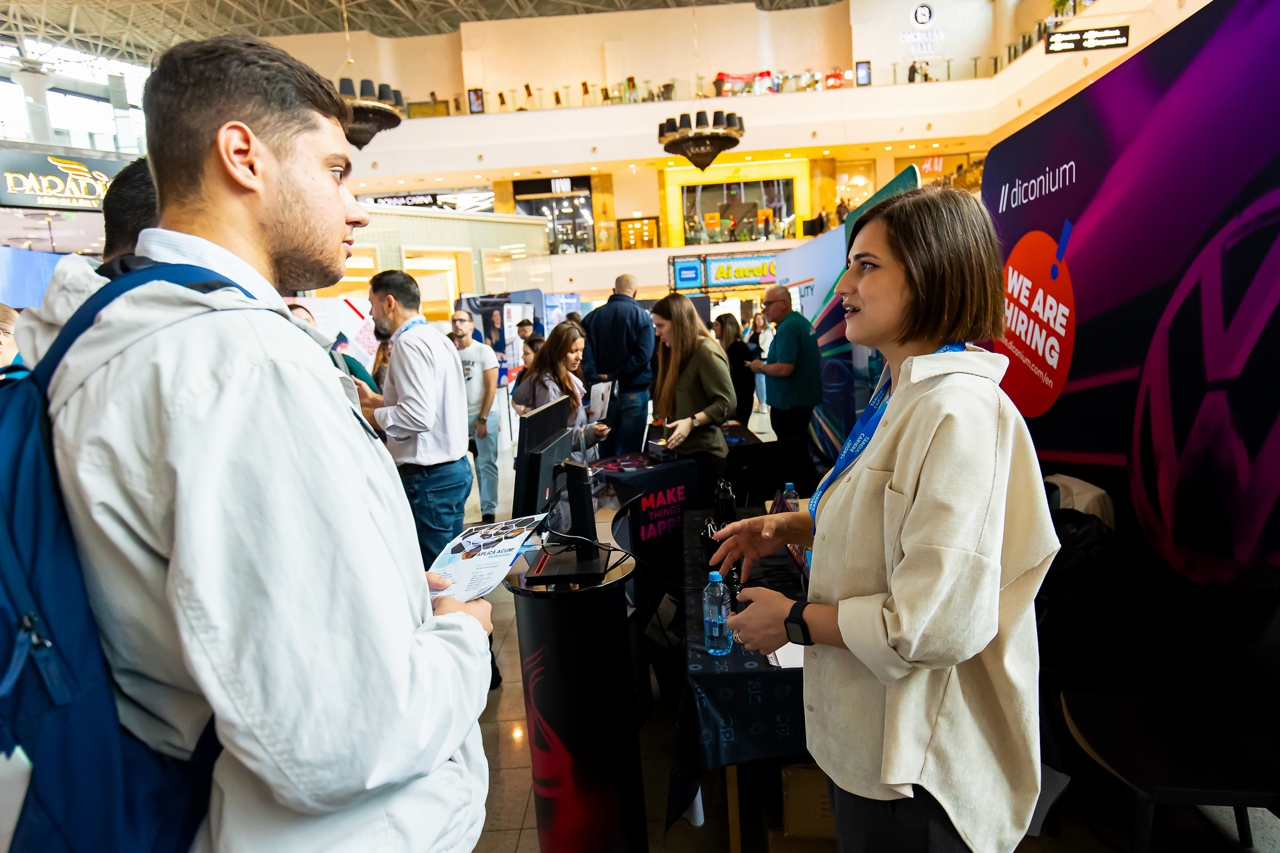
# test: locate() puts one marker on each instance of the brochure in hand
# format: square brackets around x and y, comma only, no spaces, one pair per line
[479,558]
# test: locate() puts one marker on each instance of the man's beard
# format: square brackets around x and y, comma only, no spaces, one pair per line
[301,256]
[381,329]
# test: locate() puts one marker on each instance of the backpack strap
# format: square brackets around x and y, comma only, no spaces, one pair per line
[186,275]
[32,639]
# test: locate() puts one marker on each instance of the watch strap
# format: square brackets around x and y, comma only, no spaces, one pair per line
[796,617]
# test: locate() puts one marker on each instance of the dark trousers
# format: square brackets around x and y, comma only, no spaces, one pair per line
[916,825]
[710,470]
[438,498]
[790,423]
[627,419]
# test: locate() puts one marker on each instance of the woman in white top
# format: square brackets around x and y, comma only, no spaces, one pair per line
[929,542]
[761,336]
[555,373]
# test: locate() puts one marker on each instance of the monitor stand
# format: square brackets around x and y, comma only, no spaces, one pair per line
[584,564]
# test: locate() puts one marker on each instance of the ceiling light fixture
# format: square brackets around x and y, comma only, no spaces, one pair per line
[935,145]
[517,174]
[826,152]
[555,171]
[701,145]
[888,148]
[479,178]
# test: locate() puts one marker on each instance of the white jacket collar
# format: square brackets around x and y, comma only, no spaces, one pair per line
[175,247]
[974,360]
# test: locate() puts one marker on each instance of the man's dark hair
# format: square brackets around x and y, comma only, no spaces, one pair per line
[528,323]
[399,284]
[128,207]
[198,86]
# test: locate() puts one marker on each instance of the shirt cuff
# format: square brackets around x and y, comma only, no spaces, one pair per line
[861,622]
[383,417]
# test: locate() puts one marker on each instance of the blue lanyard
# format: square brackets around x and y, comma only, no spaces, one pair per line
[416,321]
[860,437]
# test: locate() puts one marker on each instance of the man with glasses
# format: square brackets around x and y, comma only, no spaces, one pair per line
[793,385]
[480,372]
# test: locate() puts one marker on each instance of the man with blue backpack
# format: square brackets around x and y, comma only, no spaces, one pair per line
[268,671]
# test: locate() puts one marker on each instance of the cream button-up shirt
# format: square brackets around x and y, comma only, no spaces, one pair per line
[933,545]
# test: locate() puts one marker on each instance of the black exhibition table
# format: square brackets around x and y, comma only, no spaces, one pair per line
[737,707]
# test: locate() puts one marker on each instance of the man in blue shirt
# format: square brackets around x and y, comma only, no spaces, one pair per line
[619,347]
[793,383]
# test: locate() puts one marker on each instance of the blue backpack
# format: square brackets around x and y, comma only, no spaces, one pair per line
[94,787]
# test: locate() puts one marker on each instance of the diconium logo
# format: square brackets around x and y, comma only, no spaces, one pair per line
[1205,465]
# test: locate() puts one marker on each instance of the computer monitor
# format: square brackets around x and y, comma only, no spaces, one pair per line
[536,429]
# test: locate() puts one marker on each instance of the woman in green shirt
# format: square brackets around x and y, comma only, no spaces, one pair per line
[694,392]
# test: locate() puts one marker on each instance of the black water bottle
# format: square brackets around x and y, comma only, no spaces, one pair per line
[724,506]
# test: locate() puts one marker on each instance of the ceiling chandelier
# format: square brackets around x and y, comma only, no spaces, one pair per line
[701,144]
[376,108]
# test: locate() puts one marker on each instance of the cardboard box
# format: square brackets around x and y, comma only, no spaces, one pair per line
[806,803]
[779,843]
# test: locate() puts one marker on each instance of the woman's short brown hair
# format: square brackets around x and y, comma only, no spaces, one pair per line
[947,246]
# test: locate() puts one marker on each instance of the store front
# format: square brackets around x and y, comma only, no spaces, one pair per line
[565,205]
[735,203]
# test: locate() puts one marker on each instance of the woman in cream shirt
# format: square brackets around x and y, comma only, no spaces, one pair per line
[928,550]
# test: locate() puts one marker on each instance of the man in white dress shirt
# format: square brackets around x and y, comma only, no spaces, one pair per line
[423,411]
[248,549]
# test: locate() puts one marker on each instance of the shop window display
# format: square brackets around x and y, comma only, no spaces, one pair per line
[855,183]
[740,212]
[565,203]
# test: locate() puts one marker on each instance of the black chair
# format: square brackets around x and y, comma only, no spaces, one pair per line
[1200,731]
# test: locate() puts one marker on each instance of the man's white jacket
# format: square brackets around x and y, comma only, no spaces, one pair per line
[249,552]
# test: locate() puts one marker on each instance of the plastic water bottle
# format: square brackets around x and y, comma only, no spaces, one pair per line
[715,610]
[792,499]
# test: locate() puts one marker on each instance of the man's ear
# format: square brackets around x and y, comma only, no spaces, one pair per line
[241,156]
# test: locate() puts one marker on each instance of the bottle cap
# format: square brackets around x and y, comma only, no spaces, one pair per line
[791,487]
[714,577]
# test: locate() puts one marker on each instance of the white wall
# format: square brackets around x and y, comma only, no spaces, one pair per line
[416,66]
[878,26]
[882,114]
[651,44]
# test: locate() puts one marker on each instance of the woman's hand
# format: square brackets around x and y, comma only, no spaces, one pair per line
[760,628]
[752,539]
[680,431]
[601,431]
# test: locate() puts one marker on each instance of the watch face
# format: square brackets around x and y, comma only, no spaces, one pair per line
[794,634]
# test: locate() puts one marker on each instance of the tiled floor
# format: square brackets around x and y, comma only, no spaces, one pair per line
[511,827]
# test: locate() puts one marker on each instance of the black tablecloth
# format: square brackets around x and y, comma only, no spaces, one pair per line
[737,435]
[736,707]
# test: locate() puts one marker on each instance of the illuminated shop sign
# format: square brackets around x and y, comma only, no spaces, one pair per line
[687,273]
[730,272]
[1069,41]
[32,179]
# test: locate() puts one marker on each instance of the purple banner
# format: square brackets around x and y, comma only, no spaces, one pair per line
[1140,221]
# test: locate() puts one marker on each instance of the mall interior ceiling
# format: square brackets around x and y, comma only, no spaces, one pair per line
[135,30]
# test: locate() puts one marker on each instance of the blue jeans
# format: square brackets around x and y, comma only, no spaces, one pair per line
[487,464]
[438,498]
[627,419]
[760,388]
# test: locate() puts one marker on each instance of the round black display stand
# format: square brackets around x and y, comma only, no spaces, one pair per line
[581,717]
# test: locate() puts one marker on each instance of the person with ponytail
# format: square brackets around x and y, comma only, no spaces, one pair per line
[694,391]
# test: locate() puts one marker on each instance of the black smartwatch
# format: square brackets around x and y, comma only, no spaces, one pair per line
[797,630]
